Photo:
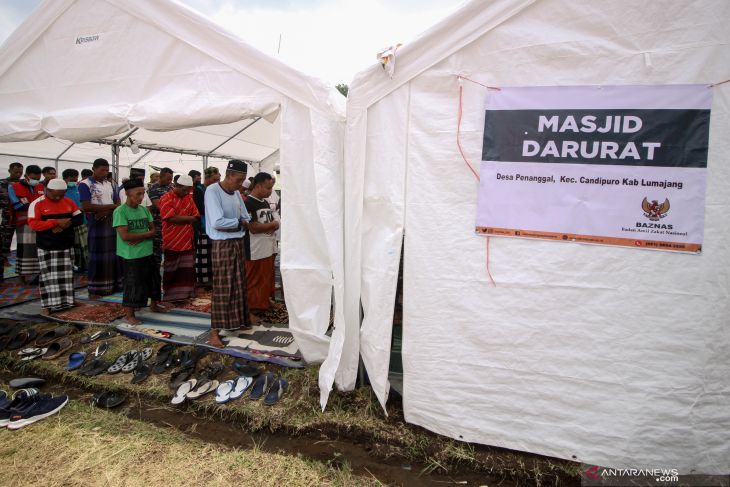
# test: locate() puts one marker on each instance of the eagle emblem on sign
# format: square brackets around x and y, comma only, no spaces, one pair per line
[654,211]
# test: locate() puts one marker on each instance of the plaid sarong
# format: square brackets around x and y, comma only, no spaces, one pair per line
[203,262]
[27,264]
[56,281]
[230,303]
[7,226]
[81,247]
[178,280]
[141,282]
[105,273]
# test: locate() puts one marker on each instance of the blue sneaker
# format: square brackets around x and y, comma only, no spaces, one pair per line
[19,400]
[41,407]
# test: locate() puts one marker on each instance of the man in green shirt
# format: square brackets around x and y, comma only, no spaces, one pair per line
[135,232]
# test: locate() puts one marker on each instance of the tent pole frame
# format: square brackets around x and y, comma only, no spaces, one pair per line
[55,162]
[233,136]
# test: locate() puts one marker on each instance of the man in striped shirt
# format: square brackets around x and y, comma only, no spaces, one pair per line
[178,214]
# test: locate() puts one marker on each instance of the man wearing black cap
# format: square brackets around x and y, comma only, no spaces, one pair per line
[135,232]
[226,220]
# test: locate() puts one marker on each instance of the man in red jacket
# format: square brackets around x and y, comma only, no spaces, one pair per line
[53,218]
[21,195]
[178,214]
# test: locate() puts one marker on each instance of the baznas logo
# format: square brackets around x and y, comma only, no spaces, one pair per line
[654,211]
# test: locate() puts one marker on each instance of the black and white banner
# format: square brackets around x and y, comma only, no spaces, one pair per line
[618,165]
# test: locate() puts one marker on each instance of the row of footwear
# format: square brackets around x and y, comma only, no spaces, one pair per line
[28,406]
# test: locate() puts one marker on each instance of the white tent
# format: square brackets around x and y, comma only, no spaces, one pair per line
[604,355]
[95,72]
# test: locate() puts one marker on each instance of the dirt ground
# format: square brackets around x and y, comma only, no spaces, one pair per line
[352,439]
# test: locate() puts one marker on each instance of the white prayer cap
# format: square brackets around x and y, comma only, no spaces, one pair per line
[184,180]
[57,183]
[247,184]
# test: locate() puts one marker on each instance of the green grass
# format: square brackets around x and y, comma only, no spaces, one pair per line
[356,415]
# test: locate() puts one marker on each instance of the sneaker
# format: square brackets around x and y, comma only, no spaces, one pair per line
[42,407]
[19,400]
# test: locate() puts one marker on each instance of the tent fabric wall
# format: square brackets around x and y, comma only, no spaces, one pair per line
[80,70]
[604,355]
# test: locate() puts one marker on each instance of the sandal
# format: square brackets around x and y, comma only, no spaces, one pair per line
[121,361]
[53,335]
[57,348]
[162,361]
[179,377]
[141,372]
[101,349]
[261,386]
[278,388]
[183,390]
[108,399]
[241,385]
[134,360]
[202,388]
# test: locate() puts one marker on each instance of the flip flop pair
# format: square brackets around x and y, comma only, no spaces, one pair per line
[94,368]
[231,390]
[32,353]
[99,335]
[193,389]
[270,386]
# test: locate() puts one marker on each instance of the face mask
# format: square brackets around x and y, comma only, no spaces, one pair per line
[71,184]
[33,182]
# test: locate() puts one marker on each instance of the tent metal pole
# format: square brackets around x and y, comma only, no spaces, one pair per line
[115,162]
[55,163]
[172,150]
[127,136]
[233,136]
[44,158]
[205,162]
[140,158]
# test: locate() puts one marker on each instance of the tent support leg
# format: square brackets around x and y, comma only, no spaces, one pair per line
[115,162]
[205,162]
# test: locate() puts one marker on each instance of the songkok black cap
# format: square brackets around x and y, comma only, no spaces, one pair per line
[133,183]
[236,165]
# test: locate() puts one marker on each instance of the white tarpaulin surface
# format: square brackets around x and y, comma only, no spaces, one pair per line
[605,355]
[80,70]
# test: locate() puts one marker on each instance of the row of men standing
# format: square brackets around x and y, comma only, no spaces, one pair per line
[225,249]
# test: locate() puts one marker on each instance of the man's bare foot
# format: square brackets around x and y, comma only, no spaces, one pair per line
[132,320]
[215,340]
[255,320]
[159,308]
[273,304]
[45,312]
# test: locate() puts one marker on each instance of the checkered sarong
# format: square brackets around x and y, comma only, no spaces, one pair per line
[81,246]
[27,252]
[230,303]
[203,262]
[57,278]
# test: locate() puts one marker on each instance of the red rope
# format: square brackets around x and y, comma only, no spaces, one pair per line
[468,164]
[720,83]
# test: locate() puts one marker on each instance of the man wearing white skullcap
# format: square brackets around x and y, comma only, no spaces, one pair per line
[178,214]
[53,218]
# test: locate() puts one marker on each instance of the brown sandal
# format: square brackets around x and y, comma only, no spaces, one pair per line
[57,348]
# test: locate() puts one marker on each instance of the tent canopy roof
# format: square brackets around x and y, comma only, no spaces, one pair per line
[85,70]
